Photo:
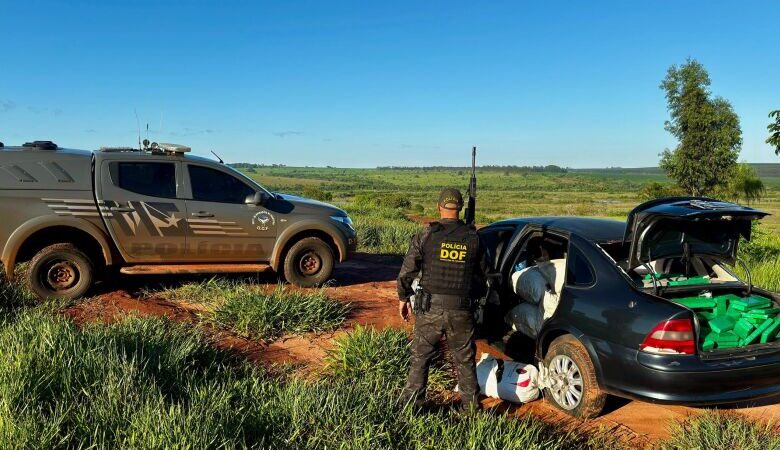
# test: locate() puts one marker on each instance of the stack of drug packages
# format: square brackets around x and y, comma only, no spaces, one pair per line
[730,321]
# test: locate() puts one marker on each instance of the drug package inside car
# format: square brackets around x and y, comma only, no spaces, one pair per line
[733,321]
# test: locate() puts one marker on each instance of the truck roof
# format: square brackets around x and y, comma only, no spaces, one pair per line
[106,152]
[69,151]
[44,165]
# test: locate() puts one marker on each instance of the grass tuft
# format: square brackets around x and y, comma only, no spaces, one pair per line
[251,311]
[14,294]
[718,430]
[366,353]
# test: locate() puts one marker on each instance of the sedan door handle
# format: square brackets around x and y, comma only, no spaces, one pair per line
[202,214]
[121,209]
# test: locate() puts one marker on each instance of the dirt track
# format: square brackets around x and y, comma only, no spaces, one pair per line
[368,283]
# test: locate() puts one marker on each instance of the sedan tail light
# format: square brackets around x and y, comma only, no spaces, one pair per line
[673,337]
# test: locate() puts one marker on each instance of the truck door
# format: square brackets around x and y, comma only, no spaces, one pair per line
[222,226]
[138,200]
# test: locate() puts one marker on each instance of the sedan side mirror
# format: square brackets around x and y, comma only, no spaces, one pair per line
[258,198]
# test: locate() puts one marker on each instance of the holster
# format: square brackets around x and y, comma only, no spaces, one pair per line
[421,302]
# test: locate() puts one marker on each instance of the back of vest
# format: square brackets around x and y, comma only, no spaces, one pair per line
[449,255]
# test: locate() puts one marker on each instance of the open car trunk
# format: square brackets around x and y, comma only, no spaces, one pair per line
[683,227]
[680,247]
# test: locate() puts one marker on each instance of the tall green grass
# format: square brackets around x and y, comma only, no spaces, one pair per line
[762,256]
[385,237]
[382,230]
[366,352]
[136,384]
[765,274]
[717,430]
[153,384]
[251,311]
[14,295]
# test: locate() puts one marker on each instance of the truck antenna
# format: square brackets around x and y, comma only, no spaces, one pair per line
[220,159]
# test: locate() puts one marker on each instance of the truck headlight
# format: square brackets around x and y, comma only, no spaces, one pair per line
[345,220]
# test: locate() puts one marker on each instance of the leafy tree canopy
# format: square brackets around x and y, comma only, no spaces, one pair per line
[706,127]
[774,131]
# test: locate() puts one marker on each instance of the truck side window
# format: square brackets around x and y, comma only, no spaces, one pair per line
[578,269]
[155,179]
[209,185]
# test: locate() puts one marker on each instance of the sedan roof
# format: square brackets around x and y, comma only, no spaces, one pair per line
[592,229]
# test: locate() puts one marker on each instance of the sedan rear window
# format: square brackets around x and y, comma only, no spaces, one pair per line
[578,269]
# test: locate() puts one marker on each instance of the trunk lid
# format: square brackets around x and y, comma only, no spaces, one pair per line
[685,226]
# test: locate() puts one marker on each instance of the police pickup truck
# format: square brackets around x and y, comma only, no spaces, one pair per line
[77,216]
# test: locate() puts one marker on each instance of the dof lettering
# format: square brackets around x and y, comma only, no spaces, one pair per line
[453,252]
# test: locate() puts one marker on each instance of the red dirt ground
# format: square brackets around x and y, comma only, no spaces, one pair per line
[368,283]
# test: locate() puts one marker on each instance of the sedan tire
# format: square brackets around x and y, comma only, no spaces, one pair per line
[575,389]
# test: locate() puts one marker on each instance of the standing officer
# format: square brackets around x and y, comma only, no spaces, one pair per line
[453,266]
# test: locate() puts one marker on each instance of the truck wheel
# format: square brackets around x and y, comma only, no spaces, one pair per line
[60,271]
[309,262]
[575,389]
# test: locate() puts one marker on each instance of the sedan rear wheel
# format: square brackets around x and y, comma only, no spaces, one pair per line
[567,382]
[574,387]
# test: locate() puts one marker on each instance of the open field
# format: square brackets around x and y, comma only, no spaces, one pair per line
[240,362]
[502,193]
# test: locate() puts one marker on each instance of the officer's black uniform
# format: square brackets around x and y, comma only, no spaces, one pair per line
[453,269]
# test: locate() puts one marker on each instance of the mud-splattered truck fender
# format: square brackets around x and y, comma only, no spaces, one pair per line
[335,238]
[56,225]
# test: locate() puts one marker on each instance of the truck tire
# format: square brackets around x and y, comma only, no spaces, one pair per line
[309,262]
[60,271]
[575,389]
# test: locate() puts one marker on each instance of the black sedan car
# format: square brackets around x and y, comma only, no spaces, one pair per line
[613,325]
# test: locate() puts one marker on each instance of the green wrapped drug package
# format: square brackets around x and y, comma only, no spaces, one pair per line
[730,321]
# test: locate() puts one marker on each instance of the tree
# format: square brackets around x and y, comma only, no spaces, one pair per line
[774,131]
[707,129]
[743,183]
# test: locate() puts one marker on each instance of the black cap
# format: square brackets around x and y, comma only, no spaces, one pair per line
[451,199]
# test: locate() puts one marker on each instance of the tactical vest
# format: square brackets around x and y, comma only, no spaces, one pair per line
[449,254]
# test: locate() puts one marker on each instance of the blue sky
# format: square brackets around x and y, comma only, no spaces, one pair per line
[361,84]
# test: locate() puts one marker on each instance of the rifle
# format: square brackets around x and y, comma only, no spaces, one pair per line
[470,215]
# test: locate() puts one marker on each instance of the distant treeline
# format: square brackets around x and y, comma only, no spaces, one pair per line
[489,168]
[247,166]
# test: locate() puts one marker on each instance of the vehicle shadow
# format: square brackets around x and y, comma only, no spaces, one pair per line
[768,401]
[367,268]
[140,284]
[362,268]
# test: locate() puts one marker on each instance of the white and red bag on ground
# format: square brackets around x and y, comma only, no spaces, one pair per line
[508,380]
